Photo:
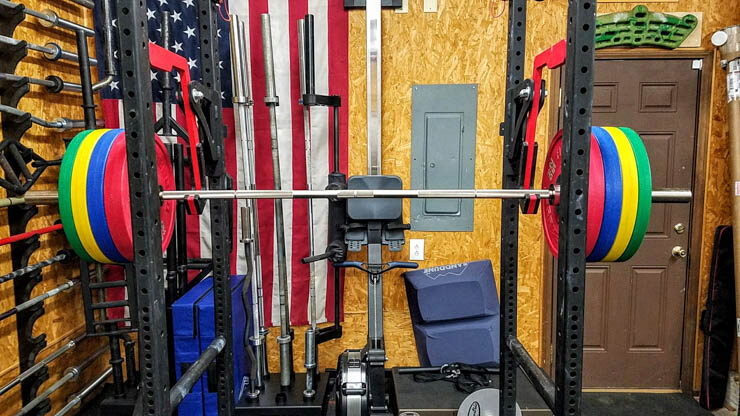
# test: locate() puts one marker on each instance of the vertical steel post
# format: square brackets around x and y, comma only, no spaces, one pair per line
[374,86]
[577,99]
[244,129]
[510,208]
[285,340]
[220,210]
[308,86]
[144,187]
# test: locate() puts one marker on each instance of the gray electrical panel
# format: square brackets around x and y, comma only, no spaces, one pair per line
[443,129]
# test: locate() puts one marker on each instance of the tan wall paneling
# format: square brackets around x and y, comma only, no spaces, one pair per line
[464,43]
[64,318]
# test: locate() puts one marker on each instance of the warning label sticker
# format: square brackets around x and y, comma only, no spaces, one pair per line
[733,80]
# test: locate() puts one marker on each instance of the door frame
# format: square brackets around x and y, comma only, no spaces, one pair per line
[703,132]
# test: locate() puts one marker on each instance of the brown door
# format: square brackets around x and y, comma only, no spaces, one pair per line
[634,310]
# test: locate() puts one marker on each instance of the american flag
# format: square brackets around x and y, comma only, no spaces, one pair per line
[331,39]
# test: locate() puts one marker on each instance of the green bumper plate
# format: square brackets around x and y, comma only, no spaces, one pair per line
[645,197]
[65,193]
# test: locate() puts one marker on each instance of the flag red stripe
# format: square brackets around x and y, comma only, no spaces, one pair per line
[110,113]
[338,22]
[301,277]
[231,169]
[263,152]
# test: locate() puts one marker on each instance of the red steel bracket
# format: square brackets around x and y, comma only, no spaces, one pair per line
[164,60]
[551,58]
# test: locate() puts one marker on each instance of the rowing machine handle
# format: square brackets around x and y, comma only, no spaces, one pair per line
[401,265]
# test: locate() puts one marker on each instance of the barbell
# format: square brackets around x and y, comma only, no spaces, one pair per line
[94,202]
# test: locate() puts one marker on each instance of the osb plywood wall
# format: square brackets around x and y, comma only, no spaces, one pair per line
[64,319]
[465,43]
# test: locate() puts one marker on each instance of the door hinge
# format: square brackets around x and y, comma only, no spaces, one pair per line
[697,64]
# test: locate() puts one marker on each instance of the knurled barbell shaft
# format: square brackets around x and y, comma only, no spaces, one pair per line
[659,195]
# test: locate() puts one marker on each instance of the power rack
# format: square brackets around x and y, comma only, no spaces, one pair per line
[562,395]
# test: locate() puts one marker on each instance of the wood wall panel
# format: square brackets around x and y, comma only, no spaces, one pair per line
[464,43]
[64,318]
[461,43]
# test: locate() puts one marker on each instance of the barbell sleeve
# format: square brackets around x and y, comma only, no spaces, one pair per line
[31,198]
[53,83]
[70,374]
[60,124]
[51,50]
[48,18]
[77,398]
[39,365]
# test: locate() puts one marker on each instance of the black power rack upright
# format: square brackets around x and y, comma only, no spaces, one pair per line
[563,394]
[155,388]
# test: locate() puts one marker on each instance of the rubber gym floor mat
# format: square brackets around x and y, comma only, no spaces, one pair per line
[643,404]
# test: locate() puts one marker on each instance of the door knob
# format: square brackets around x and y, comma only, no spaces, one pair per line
[678,251]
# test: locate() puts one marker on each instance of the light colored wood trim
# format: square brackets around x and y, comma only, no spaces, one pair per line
[639,391]
[703,131]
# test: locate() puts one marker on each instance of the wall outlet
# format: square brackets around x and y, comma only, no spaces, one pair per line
[416,251]
[430,6]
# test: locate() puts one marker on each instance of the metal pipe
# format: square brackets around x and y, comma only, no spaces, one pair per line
[85,3]
[659,195]
[183,386]
[41,364]
[540,380]
[307,84]
[244,128]
[60,124]
[40,298]
[264,331]
[88,99]
[61,256]
[31,198]
[374,87]
[70,374]
[109,68]
[664,196]
[52,83]
[285,339]
[51,51]
[77,398]
[49,18]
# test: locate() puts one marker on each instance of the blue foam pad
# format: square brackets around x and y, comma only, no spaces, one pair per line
[192,404]
[207,331]
[185,309]
[185,330]
[469,341]
[456,291]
